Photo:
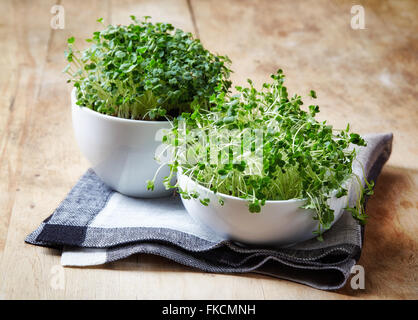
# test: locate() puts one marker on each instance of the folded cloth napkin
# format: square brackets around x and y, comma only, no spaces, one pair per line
[95,225]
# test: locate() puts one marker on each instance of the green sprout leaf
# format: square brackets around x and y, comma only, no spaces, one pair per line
[146,71]
[302,158]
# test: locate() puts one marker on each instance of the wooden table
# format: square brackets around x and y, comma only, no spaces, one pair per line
[367,77]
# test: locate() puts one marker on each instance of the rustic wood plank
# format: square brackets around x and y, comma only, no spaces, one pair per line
[175,12]
[14,78]
[366,77]
[24,50]
[25,46]
[50,161]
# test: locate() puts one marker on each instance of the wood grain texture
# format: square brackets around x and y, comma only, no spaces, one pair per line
[365,77]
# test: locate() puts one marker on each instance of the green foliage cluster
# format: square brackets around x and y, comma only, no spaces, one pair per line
[301,156]
[145,71]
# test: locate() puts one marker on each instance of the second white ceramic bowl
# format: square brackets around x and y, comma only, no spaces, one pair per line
[121,151]
[279,223]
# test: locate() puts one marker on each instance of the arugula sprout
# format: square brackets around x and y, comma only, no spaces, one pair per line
[302,158]
[145,71]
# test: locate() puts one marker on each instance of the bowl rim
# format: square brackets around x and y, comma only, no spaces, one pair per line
[179,172]
[111,118]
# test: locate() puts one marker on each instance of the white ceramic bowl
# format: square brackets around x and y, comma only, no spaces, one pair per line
[279,223]
[121,151]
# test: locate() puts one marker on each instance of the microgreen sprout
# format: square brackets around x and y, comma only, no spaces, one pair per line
[301,157]
[145,71]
